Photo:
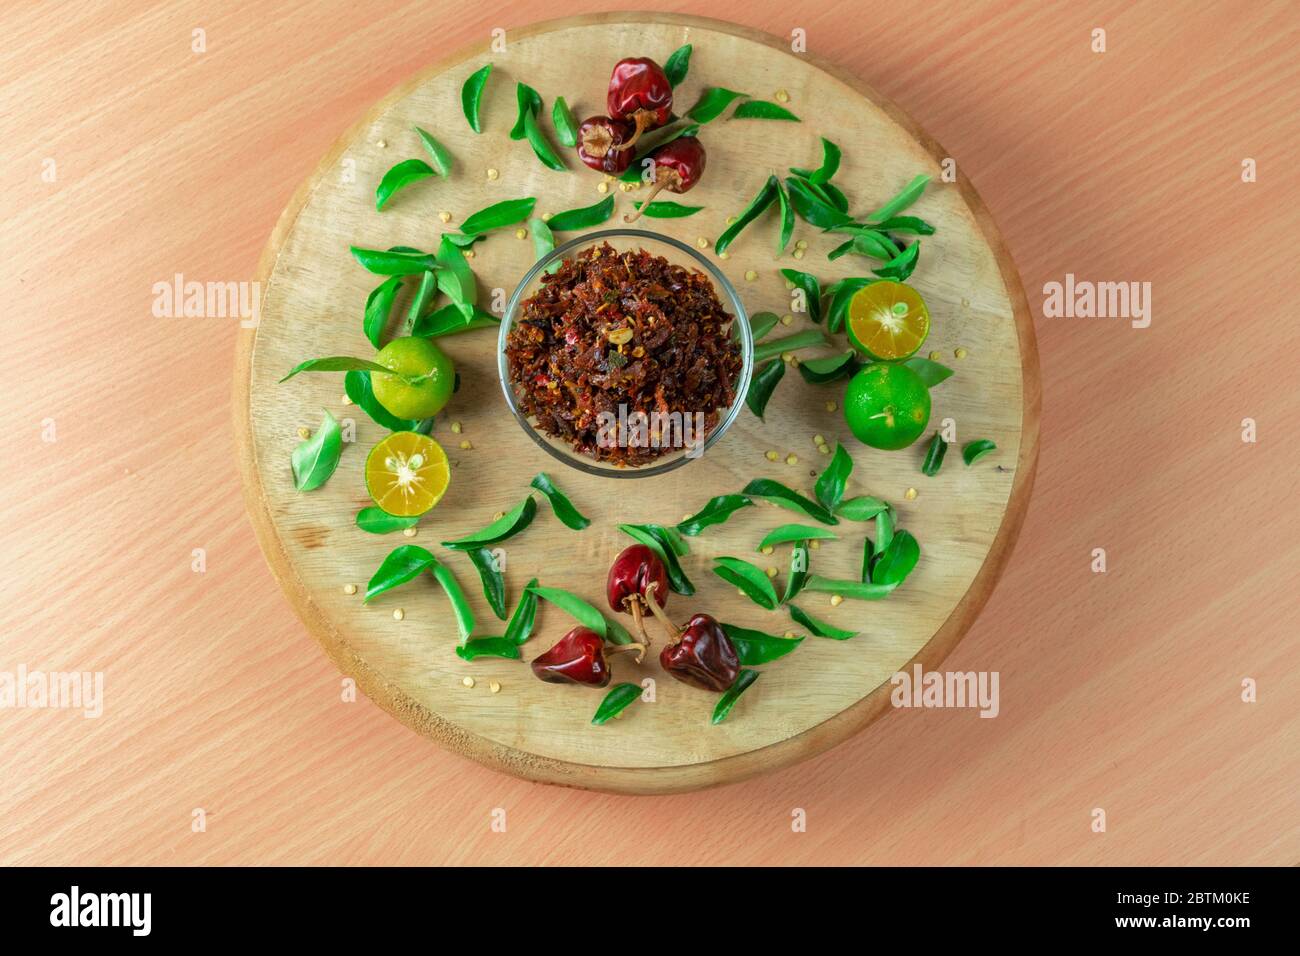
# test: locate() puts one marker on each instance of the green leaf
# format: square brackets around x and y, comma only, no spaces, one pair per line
[762,385]
[520,627]
[677,65]
[583,613]
[424,292]
[666,210]
[830,164]
[583,218]
[884,528]
[820,371]
[808,338]
[837,198]
[711,103]
[379,305]
[715,511]
[398,177]
[615,702]
[858,590]
[779,494]
[494,583]
[815,210]
[896,562]
[316,458]
[762,323]
[861,508]
[868,558]
[360,390]
[762,109]
[794,532]
[477,647]
[818,628]
[932,373]
[507,526]
[755,647]
[839,295]
[457,278]
[750,579]
[565,123]
[471,96]
[766,196]
[560,504]
[912,225]
[728,700]
[461,240]
[973,451]
[934,455]
[529,103]
[901,266]
[866,242]
[905,197]
[459,604]
[651,141]
[504,213]
[543,242]
[404,563]
[787,219]
[378,521]
[449,320]
[653,538]
[830,484]
[442,160]
[338,363]
[386,262]
[798,572]
[542,147]
[812,290]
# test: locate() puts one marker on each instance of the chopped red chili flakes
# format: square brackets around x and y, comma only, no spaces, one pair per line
[631,329]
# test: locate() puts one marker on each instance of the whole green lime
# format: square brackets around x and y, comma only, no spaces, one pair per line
[887,406]
[430,378]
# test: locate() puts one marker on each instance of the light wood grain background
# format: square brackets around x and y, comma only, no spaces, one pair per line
[1119,691]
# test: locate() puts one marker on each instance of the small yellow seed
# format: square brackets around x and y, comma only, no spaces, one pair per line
[465,445]
[382,144]
[349,589]
[398,614]
[789,285]
[304,432]
[814,544]
[786,356]
[685,517]
[789,635]
[818,440]
[782,96]
[546,216]
[498,516]
[625,187]
[960,353]
[494,686]
[410,532]
[469,253]
[910,494]
[837,600]
[935,356]
[493,174]
[831,406]
[771,572]
[602,187]
[521,233]
[467,681]
[794,361]
[702,242]
[724,255]
[769,549]
[824,449]
[798,253]
[792,459]
[456,427]
[445,216]
[731,220]
[801,244]
[965,301]
[751,275]
[772,456]
[345,400]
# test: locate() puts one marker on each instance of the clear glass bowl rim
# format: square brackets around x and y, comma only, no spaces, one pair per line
[740,320]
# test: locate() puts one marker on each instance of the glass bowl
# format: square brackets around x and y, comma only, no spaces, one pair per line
[677,253]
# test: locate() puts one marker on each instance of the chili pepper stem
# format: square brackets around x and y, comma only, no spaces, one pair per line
[643,119]
[625,648]
[669,178]
[634,606]
[672,630]
[597,142]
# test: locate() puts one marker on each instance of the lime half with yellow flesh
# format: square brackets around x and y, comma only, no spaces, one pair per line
[888,321]
[407,474]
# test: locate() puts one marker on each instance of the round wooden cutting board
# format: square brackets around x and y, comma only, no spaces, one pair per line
[313,294]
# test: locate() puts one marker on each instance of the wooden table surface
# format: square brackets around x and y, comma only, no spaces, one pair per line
[127,158]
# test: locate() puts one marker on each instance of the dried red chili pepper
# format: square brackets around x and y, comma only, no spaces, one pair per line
[599,142]
[702,655]
[678,166]
[635,577]
[640,93]
[579,658]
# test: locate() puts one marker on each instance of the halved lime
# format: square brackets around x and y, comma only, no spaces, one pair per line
[407,473]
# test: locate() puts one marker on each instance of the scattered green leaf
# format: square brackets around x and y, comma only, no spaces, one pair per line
[615,702]
[711,104]
[904,198]
[477,647]
[583,218]
[442,160]
[766,196]
[794,532]
[762,109]
[504,213]
[779,494]
[507,526]
[932,373]
[471,96]
[315,459]
[560,503]
[378,521]
[666,210]
[404,563]
[677,65]
[728,700]
[379,305]
[520,627]
[830,484]
[398,177]
[715,511]
[755,647]
[973,451]
[566,124]
[762,385]
[387,262]
[818,628]
[934,455]
[753,581]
